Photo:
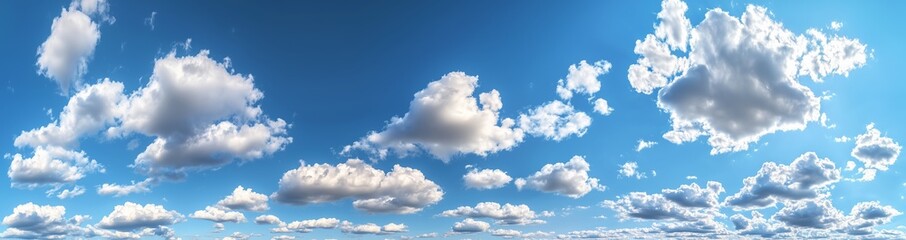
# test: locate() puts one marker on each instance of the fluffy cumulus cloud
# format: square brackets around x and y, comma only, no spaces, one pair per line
[50,166]
[555,120]
[805,178]
[371,228]
[64,56]
[582,78]
[631,170]
[218,215]
[486,179]
[866,215]
[89,110]
[876,152]
[469,225]
[118,190]
[202,116]
[446,119]
[131,220]
[738,81]
[813,213]
[268,220]
[303,226]
[569,179]
[402,190]
[506,214]
[757,225]
[689,208]
[244,199]
[32,221]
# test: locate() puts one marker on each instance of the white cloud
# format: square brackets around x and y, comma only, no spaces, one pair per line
[371,228]
[582,78]
[202,115]
[568,179]
[813,213]
[842,139]
[688,203]
[486,179]
[268,219]
[32,221]
[445,119]
[644,145]
[876,152]
[305,226]
[630,169]
[64,56]
[71,193]
[506,214]
[601,106]
[218,215]
[739,79]
[758,225]
[50,166]
[118,190]
[394,228]
[402,190]
[836,26]
[691,177]
[131,216]
[554,120]
[469,225]
[244,199]
[866,215]
[150,20]
[805,178]
[88,111]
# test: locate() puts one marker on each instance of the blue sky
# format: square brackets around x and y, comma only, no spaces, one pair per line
[301,87]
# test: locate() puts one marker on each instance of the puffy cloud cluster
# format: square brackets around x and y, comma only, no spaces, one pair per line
[582,78]
[32,221]
[64,56]
[371,228]
[876,152]
[303,226]
[866,215]
[631,170]
[50,166]
[569,179]
[445,119]
[218,215]
[268,219]
[805,178]
[758,225]
[486,179]
[402,190]
[201,114]
[688,203]
[506,214]
[132,220]
[555,120]
[812,213]
[738,81]
[244,199]
[469,225]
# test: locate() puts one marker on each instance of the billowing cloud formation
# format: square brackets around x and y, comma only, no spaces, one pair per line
[554,120]
[817,213]
[582,78]
[268,219]
[686,203]
[445,119]
[630,169]
[218,215]
[244,199]
[506,214]
[486,179]
[32,221]
[303,226]
[88,111]
[50,166]
[371,228]
[804,178]
[876,152]
[739,79]
[64,56]
[402,190]
[758,225]
[131,220]
[866,215]
[568,179]
[202,115]
[469,225]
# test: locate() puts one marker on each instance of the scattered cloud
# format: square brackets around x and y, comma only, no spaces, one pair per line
[486,179]
[506,214]
[569,179]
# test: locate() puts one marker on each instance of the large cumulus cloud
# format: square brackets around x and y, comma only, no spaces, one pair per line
[738,81]
[402,190]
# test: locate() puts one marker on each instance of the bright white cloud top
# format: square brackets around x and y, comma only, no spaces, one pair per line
[738,81]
